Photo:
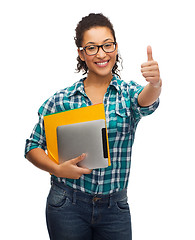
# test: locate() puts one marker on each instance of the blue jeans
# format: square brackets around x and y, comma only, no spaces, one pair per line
[74,215]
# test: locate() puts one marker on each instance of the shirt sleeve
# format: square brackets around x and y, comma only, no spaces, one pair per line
[139,112]
[37,138]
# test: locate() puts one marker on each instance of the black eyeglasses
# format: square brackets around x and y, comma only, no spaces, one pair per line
[94,49]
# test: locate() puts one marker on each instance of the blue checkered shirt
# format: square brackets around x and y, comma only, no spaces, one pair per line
[122,116]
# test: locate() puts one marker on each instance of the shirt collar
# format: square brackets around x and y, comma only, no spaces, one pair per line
[79,86]
[116,83]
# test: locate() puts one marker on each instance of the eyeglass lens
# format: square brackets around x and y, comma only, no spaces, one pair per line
[93,49]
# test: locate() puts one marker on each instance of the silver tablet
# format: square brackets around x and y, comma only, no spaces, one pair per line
[85,137]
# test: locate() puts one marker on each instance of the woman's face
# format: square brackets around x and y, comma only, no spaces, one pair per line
[100,64]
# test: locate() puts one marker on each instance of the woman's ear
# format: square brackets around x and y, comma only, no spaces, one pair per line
[81,55]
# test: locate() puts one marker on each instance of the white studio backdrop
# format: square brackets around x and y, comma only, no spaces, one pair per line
[38,57]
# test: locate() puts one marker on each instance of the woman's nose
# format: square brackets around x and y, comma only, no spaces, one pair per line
[101,53]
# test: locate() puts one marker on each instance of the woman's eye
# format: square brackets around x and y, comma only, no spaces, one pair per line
[108,45]
[91,48]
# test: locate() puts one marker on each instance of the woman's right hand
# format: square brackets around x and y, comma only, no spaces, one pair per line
[70,169]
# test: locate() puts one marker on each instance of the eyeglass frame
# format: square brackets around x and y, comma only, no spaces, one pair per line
[99,46]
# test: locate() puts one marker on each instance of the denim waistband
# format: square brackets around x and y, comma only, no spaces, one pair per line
[75,194]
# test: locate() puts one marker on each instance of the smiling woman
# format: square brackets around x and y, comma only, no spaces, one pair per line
[84,203]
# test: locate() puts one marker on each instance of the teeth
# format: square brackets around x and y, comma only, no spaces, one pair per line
[102,63]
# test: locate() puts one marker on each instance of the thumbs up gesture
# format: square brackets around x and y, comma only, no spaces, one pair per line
[150,70]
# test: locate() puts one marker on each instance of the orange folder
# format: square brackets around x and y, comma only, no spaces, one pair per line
[83,114]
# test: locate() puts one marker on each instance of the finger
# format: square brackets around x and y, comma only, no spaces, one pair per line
[151,74]
[85,170]
[149,63]
[149,53]
[81,171]
[150,68]
[78,159]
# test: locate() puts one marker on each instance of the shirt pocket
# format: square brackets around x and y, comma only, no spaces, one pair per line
[123,120]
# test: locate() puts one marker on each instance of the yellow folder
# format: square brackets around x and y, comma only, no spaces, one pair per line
[83,114]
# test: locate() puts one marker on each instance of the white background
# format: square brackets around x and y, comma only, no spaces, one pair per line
[38,57]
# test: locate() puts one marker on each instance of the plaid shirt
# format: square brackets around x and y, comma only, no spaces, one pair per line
[122,116]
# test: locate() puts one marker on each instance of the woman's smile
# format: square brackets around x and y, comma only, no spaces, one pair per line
[102,63]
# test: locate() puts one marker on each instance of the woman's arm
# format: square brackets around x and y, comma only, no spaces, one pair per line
[68,169]
[151,92]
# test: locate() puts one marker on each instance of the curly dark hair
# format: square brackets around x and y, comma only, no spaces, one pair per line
[93,20]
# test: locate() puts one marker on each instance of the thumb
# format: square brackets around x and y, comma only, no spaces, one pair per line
[149,53]
[78,159]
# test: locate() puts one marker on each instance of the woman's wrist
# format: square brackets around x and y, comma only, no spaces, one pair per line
[157,85]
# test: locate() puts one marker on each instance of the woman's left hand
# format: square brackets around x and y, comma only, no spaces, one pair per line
[150,70]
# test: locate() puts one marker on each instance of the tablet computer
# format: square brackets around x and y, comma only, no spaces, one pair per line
[85,137]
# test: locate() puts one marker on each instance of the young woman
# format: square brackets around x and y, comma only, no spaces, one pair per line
[92,204]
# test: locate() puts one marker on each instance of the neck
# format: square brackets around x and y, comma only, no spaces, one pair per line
[95,80]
